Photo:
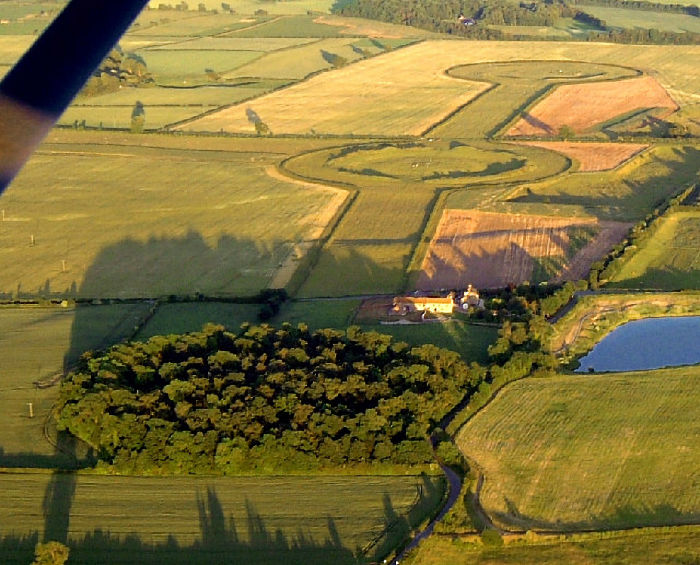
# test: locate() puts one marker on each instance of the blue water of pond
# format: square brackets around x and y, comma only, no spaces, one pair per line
[650,343]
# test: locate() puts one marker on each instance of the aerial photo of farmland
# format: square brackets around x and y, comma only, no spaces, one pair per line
[352,282]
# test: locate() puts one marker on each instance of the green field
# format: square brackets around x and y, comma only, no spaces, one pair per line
[562,454]
[35,344]
[106,117]
[218,212]
[670,259]
[515,86]
[13,46]
[290,26]
[203,520]
[631,18]
[186,67]
[622,548]
[319,314]
[297,62]
[172,97]
[178,23]
[191,317]
[12,10]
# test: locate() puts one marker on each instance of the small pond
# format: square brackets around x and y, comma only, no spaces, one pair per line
[650,343]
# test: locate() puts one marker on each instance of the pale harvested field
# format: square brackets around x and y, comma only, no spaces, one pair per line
[490,250]
[404,91]
[593,156]
[393,94]
[583,106]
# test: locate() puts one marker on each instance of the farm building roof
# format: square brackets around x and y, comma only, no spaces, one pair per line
[424,300]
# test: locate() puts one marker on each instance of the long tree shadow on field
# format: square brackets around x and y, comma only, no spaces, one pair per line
[126,273]
[221,540]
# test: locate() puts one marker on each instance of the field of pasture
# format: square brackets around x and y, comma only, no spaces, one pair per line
[623,468]
[627,18]
[201,520]
[220,212]
[670,260]
[36,344]
[250,6]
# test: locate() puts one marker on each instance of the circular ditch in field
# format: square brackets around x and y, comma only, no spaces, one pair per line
[546,72]
[438,162]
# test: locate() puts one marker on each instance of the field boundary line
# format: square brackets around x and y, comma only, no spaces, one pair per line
[491,86]
[284,275]
[303,271]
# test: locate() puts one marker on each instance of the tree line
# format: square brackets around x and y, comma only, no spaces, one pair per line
[448,16]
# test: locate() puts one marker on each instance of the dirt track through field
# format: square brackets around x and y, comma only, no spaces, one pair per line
[318,223]
[490,250]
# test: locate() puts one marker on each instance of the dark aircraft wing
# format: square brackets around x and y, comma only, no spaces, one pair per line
[37,90]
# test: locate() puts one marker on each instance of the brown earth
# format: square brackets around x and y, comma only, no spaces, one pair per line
[593,156]
[373,309]
[583,106]
[492,250]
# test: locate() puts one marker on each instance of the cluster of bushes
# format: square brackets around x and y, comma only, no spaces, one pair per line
[262,399]
[520,303]
[116,70]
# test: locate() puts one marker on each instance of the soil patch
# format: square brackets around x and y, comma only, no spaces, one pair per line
[593,156]
[491,250]
[583,106]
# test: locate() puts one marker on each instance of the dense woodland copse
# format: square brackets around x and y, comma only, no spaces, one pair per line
[473,18]
[263,399]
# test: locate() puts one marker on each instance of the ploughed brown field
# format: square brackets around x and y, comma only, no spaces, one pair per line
[593,156]
[491,250]
[583,106]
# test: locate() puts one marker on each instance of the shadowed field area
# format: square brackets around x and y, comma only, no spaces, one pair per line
[120,219]
[189,520]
